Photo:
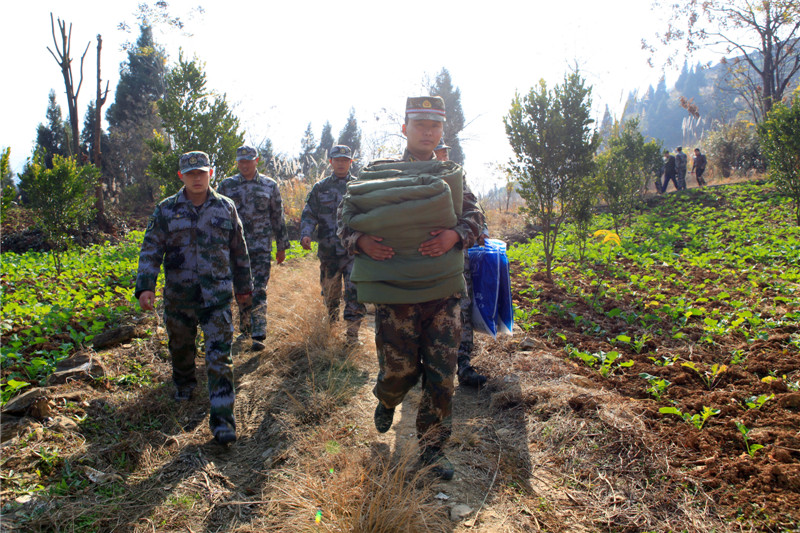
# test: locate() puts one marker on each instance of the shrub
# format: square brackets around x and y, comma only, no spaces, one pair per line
[61,198]
[780,138]
[625,170]
[734,147]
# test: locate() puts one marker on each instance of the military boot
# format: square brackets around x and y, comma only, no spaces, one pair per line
[183,393]
[470,378]
[258,344]
[224,430]
[351,337]
[383,418]
[441,466]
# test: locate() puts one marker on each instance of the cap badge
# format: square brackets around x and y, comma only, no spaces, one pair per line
[426,104]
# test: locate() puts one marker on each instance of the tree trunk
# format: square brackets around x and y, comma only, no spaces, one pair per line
[97,147]
[65,62]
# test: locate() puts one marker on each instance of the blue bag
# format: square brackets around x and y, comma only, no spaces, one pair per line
[492,311]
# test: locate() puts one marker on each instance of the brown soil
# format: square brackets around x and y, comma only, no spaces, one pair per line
[765,486]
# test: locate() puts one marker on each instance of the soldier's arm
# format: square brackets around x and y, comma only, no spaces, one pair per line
[348,236]
[240,259]
[471,221]
[151,256]
[309,219]
[277,221]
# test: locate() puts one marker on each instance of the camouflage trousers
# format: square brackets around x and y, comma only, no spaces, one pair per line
[416,340]
[333,272]
[253,319]
[217,326]
[465,303]
[680,179]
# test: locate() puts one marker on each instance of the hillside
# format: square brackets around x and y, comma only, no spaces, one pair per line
[709,87]
[563,438]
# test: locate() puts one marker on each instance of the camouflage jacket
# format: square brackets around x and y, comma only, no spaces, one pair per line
[468,227]
[259,204]
[203,251]
[320,212]
[680,161]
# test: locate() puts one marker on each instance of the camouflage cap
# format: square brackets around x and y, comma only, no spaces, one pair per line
[441,145]
[246,152]
[341,150]
[425,108]
[194,161]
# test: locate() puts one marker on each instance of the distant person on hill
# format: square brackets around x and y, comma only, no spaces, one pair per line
[668,171]
[680,168]
[196,234]
[467,375]
[335,263]
[699,162]
[258,201]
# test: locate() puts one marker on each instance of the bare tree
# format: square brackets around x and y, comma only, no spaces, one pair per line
[62,57]
[763,35]
[97,152]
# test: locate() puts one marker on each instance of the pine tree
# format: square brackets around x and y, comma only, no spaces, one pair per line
[141,81]
[52,139]
[605,127]
[351,134]
[87,135]
[133,116]
[308,147]
[325,142]
[194,118]
[443,86]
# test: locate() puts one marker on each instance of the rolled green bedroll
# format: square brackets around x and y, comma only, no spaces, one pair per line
[403,202]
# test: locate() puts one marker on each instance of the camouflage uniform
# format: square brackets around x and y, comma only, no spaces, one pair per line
[258,202]
[335,263]
[422,339]
[467,343]
[680,168]
[205,260]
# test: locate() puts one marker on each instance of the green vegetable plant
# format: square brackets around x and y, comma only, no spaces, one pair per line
[664,360]
[609,239]
[607,361]
[710,376]
[698,420]
[11,388]
[756,402]
[751,448]
[658,386]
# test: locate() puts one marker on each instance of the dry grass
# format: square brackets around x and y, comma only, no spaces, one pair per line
[590,456]
[356,490]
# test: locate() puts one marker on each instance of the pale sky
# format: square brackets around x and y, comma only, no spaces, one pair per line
[283,65]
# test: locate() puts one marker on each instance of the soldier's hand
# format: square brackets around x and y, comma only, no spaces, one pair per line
[443,240]
[371,245]
[146,300]
[280,256]
[305,242]
[244,300]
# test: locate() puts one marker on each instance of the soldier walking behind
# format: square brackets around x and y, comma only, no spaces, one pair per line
[335,263]
[699,162]
[198,237]
[258,201]
[467,375]
[668,171]
[420,339]
[680,168]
